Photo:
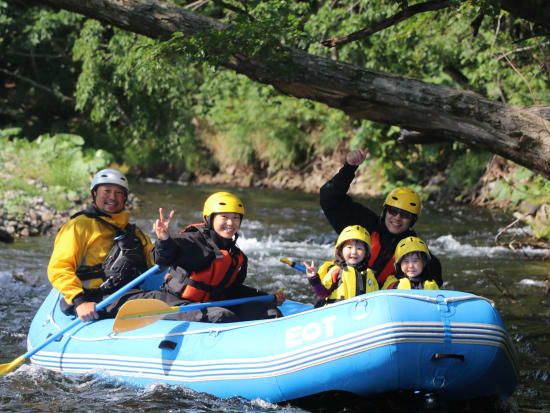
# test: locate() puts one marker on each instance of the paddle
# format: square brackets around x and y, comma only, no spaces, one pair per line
[8,367]
[136,314]
[293,264]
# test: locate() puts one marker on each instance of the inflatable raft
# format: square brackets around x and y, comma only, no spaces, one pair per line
[450,343]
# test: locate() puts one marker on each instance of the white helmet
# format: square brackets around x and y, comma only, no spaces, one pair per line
[109,176]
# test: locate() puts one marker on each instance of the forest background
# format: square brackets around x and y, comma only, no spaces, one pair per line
[77,94]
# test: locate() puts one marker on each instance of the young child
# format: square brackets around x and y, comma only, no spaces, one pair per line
[411,257]
[347,275]
[206,264]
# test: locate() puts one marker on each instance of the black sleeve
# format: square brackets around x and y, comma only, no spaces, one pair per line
[186,251]
[339,207]
[238,289]
[165,252]
[244,291]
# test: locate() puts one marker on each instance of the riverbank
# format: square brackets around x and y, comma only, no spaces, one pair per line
[533,213]
[309,178]
[39,217]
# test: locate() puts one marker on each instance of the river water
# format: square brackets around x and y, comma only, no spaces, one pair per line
[286,224]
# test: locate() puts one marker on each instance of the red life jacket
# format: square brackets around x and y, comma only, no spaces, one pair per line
[388,268]
[220,275]
[208,284]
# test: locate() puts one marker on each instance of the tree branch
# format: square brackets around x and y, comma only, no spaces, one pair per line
[233,8]
[455,115]
[37,85]
[521,49]
[536,11]
[408,137]
[476,24]
[457,75]
[540,110]
[385,23]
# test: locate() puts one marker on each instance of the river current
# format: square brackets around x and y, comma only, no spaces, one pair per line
[286,224]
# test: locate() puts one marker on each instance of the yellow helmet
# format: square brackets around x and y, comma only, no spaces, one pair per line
[410,244]
[404,198]
[222,202]
[353,232]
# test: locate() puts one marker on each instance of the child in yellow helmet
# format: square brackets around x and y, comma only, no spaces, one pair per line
[348,274]
[411,257]
[206,264]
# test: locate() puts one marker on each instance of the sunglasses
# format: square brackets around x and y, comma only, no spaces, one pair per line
[393,211]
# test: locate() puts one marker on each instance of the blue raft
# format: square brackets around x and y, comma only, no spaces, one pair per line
[450,343]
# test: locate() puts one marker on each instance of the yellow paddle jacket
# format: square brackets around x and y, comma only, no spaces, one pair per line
[85,241]
[346,286]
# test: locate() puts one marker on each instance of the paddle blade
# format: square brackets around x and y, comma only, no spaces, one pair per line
[9,367]
[140,313]
[287,261]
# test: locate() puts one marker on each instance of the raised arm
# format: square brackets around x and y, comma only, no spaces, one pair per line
[166,251]
[339,208]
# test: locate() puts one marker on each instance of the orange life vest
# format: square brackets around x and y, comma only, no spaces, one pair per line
[219,276]
[209,284]
[388,268]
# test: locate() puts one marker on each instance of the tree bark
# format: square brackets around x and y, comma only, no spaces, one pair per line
[536,11]
[518,134]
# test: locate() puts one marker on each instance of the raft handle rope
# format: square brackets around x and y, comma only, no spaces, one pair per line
[359,299]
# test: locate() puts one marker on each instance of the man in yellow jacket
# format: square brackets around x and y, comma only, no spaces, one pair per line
[97,251]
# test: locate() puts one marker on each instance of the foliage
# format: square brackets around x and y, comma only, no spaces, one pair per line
[167,105]
[261,32]
[37,73]
[260,125]
[523,185]
[524,190]
[468,167]
[142,100]
[57,168]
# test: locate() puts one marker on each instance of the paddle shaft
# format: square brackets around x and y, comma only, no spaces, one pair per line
[293,264]
[198,306]
[98,307]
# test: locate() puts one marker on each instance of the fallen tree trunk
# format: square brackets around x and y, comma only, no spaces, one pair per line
[518,134]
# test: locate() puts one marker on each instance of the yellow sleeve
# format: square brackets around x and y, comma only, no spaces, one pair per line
[325,273]
[67,252]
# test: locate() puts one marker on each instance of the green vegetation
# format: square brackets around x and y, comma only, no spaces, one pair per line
[525,191]
[164,107]
[55,168]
